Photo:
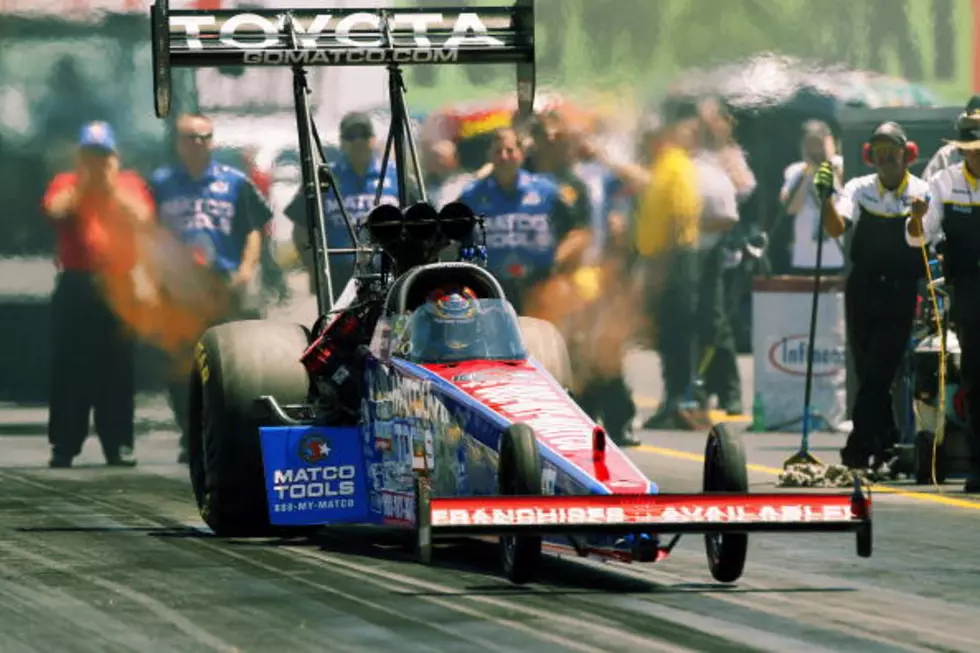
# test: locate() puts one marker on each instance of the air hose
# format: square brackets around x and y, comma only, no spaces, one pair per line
[941,416]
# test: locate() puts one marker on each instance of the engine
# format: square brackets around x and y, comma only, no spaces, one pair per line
[419,235]
[335,361]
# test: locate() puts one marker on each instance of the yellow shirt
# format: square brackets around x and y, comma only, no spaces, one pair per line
[670,209]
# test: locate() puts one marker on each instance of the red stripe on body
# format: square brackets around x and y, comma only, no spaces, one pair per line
[520,392]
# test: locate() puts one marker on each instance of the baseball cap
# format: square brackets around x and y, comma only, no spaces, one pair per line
[973,105]
[889,131]
[97,135]
[356,123]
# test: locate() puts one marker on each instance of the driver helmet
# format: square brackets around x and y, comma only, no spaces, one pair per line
[449,328]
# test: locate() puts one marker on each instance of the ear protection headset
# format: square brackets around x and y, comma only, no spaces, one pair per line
[892,131]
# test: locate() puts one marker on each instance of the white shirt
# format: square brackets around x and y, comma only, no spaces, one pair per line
[806,224]
[952,186]
[718,195]
[866,192]
[947,155]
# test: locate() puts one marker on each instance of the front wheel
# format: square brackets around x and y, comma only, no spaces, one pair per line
[519,474]
[725,471]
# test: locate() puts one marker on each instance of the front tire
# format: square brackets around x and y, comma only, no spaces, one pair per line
[235,364]
[725,471]
[519,474]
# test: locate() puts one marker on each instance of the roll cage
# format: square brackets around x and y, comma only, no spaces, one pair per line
[297,38]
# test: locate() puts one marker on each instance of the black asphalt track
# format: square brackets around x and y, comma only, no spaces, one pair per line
[102,560]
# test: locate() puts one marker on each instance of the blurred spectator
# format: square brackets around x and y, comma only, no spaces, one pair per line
[554,152]
[444,178]
[949,154]
[667,236]
[261,178]
[585,296]
[358,174]
[526,217]
[218,212]
[799,198]
[721,170]
[719,142]
[273,279]
[94,211]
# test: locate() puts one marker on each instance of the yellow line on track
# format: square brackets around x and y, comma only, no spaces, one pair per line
[775,471]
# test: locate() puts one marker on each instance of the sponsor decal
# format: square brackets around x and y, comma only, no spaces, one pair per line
[398,508]
[325,38]
[580,511]
[202,362]
[314,482]
[314,448]
[789,355]
[549,475]
[314,475]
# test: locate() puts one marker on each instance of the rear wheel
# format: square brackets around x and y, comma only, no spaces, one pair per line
[519,474]
[725,471]
[235,364]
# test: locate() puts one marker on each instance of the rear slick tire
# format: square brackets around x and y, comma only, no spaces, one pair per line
[235,364]
[519,474]
[725,471]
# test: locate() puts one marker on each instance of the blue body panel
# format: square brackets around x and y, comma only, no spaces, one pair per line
[404,404]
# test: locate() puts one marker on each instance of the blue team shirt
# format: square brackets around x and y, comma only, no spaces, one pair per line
[215,213]
[358,193]
[519,225]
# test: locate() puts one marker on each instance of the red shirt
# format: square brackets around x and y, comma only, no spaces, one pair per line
[97,234]
[262,180]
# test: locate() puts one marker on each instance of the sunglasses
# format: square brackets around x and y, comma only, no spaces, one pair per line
[356,134]
[197,138]
[885,148]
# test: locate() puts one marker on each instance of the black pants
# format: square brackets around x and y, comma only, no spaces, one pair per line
[965,315]
[879,313]
[715,330]
[676,311]
[92,368]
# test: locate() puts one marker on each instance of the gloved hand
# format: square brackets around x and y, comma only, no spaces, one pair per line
[824,179]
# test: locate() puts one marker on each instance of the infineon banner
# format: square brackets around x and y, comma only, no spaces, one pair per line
[780,329]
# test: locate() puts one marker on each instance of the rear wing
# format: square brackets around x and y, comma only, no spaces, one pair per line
[655,513]
[344,37]
[299,38]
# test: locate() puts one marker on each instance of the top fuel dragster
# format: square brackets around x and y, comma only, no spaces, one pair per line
[420,400]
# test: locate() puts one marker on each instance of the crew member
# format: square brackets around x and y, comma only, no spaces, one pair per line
[949,154]
[358,174]
[717,359]
[799,199]
[554,153]
[882,287]
[94,211]
[526,217]
[216,210]
[667,236]
[952,213]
